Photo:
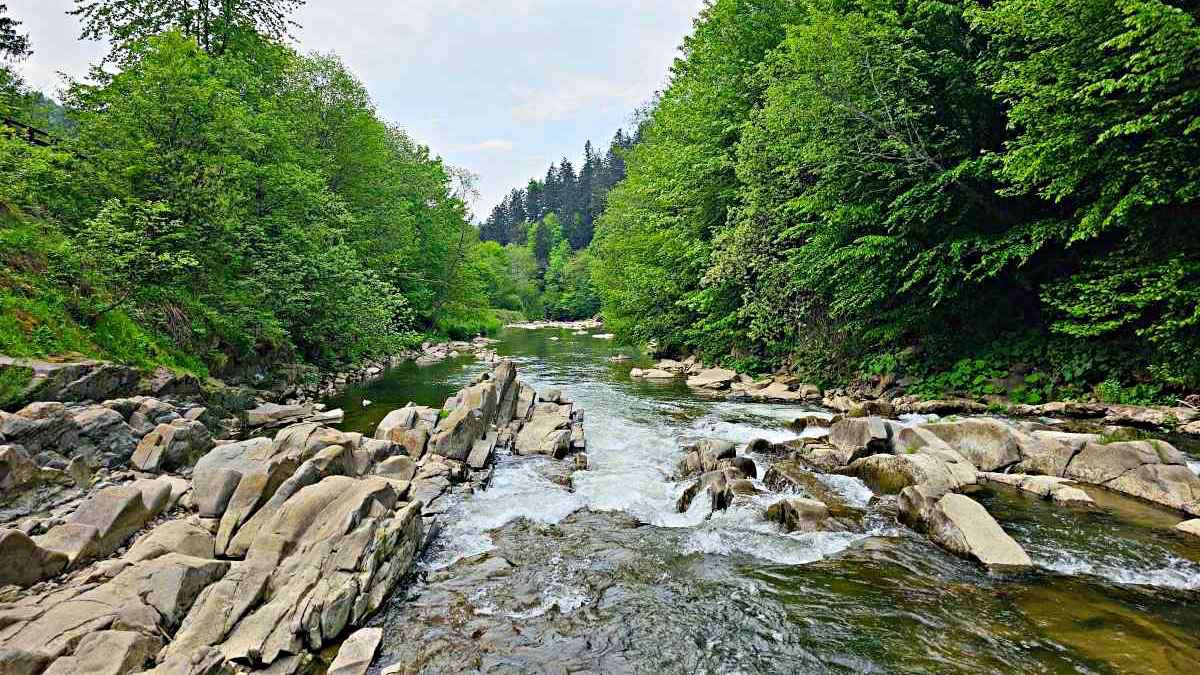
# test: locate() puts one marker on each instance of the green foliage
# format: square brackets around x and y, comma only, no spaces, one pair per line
[13,381]
[13,44]
[216,26]
[224,201]
[828,182]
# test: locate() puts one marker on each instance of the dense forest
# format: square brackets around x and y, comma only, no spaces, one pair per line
[545,225]
[214,199]
[955,193]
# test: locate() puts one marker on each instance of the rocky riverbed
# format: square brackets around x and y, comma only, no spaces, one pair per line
[157,548]
[460,519]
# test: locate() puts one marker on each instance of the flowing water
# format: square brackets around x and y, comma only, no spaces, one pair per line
[530,576]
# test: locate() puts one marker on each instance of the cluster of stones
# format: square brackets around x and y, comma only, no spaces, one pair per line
[243,556]
[887,399]
[714,468]
[927,466]
[457,444]
[781,389]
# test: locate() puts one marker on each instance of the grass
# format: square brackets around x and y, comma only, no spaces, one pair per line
[41,301]
[13,380]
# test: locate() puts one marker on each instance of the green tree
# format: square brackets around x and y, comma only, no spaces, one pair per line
[215,24]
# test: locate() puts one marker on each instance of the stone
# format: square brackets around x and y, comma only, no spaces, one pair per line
[107,518]
[177,536]
[653,374]
[108,652]
[217,474]
[507,390]
[147,414]
[861,437]
[356,653]
[481,453]
[705,456]
[1150,470]
[717,484]
[1189,527]
[915,504]
[202,661]
[17,470]
[274,415]
[1099,463]
[526,397]
[76,381]
[963,527]
[1057,450]
[546,433]
[799,514]
[989,444]
[890,474]
[172,446]
[714,379]
[150,598]
[399,468]
[23,562]
[75,541]
[871,409]
[395,423]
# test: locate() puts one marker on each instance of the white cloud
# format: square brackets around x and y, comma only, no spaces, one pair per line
[566,99]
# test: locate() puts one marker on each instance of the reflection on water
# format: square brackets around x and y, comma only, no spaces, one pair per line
[529,576]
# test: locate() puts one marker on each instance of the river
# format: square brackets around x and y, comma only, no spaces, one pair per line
[531,576]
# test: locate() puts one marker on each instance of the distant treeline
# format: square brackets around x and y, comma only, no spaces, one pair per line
[576,199]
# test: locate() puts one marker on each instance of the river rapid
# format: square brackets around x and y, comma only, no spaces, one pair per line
[603,575]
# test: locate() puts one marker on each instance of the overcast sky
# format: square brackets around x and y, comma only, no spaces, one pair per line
[501,88]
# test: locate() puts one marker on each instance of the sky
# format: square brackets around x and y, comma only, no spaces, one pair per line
[501,88]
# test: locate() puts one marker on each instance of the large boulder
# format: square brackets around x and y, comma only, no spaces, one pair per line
[861,437]
[108,517]
[507,392]
[1151,470]
[23,562]
[75,381]
[335,551]
[455,436]
[548,431]
[962,526]
[1189,527]
[1057,449]
[172,446]
[706,455]
[892,473]
[989,444]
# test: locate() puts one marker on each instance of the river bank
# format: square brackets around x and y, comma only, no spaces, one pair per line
[247,556]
